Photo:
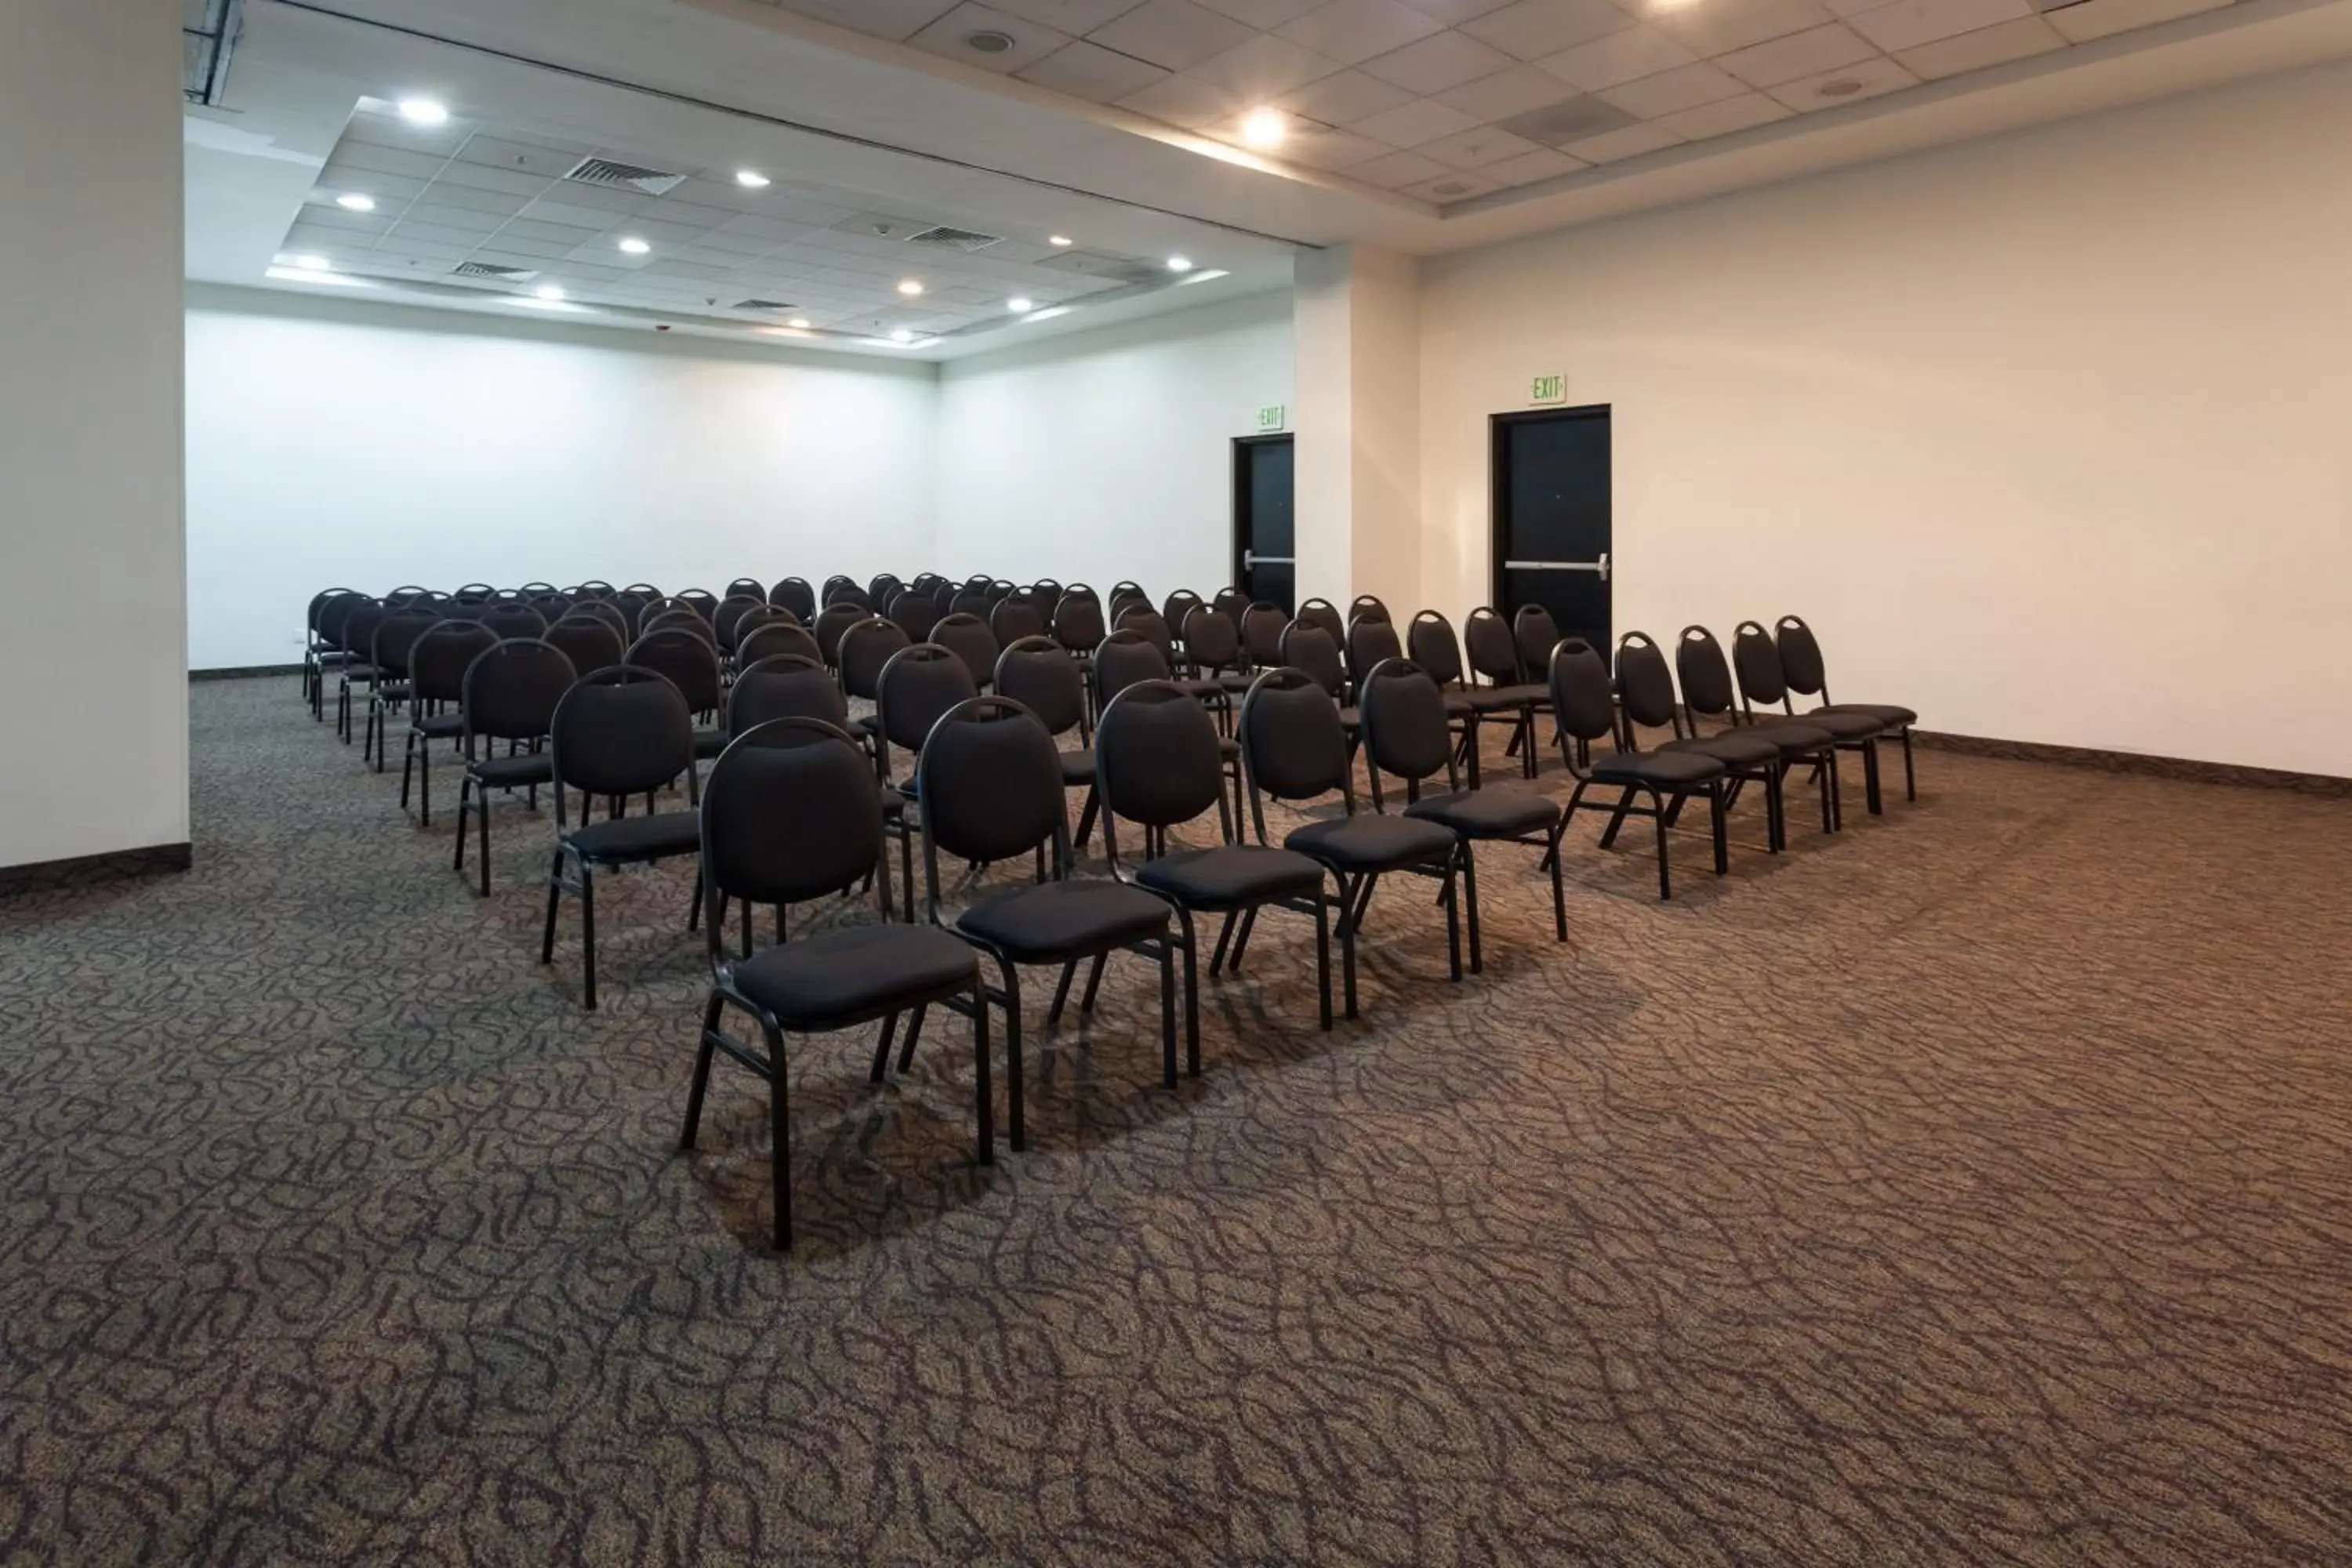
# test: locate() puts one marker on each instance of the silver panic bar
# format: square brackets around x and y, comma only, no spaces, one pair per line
[1599,567]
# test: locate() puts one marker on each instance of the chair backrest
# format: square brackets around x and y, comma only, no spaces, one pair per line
[357,634]
[1013,617]
[835,585]
[1704,674]
[1079,620]
[775,637]
[1211,641]
[474,594]
[1044,593]
[973,643]
[1041,675]
[1645,687]
[972,602]
[400,599]
[883,587]
[1177,607]
[642,590]
[761,614]
[1403,714]
[1292,745]
[919,683]
[1758,664]
[1800,658]
[747,588]
[1262,627]
[832,622]
[1578,679]
[1307,646]
[511,689]
[680,618]
[1156,760]
[535,586]
[1493,651]
[916,613]
[1430,643]
[1139,616]
[437,664]
[619,731]
[1123,658]
[730,613]
[514,621]
[552,607]
[1367,606]
[688,660]
[594,588]
[586,641]
[608,611]
[1323,613]
[1231,603]
[864,649]
[793,594]
[340,597]
[990,784]
[1536,633]
[395,635]
[784,686]
[1370,641]
[789,813]
[701,601]
[842,590]
[1123,594]
[630,606]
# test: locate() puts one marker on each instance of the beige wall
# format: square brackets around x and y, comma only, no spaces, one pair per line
[2049,435]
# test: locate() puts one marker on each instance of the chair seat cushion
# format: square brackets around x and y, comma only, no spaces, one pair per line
[894,802]
[1888,713]
[1490,699]
[639,837]
[1846,726]
[1665,770]
[1371,842]
[1235,680]
[1795,739]
[1458,704]
[437,726]
[843,977]
[1500,813]
[1079,767]
[1733,748]
[1206,688]
[1232,875]
[1047,921]
[505,773]
[390,691]
[1229,748]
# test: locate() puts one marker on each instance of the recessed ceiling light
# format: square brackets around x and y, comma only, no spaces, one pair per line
[352,201]
[909,287]
[632,245]
[1845,87]
[1020,307]
[1059,239]
[988,41]
[1048,314]
[550,291]
[1180,264]
[1264,127]
[423,111]
[305,275]
[310,263]
[751,179]
[1209,275]
[902,336]
[798,324]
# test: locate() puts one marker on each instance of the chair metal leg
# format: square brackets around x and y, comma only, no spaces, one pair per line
[914,1030]
[1910,779]
[588,933]
[983,1094]
[1559,896]
[1241,941]
[1347,944]
[1870,778]
[1191,993]
[882,1048]
[1617,817]
[482,825]
[1094,982]
[701,1068]
[1665,882]
[1717,809]
[1086,820]
[1323,956]
[423,781]
[465,804]
[1470,903]
[1224,935]
[554,892]
[1454,919]
[1061,993]
[1013,1121]
[1167,1015]
[782,1136]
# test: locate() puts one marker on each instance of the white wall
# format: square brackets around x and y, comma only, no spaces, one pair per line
[334,444]
[2045,434]
[1108,455]
[1358,332]
[95,707]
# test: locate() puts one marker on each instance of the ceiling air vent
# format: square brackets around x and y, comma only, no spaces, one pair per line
[955,239]
[490,269]
[763,305]
[625,177]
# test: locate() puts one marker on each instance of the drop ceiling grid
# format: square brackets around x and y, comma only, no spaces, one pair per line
[1449,100]
[473,192]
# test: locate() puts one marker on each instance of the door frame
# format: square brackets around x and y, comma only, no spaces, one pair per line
[1241,507]
[1498,428]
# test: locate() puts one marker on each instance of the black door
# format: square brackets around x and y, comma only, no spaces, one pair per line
[1265,535]
[1551,519]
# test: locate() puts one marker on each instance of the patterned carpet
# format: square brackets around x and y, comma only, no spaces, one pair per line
[1973,1187]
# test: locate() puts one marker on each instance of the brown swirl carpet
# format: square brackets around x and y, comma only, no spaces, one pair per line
[1972,1188]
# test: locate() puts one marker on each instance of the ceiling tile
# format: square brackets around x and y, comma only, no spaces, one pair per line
[895,19]
[497,152]
[1454,13]
[1725,116]
[335,217]
[580,194]
[1454,186]
[448,192]
[389,190]
[1573,120]
[2098,18]
[1910,23]
[1808,53]
[1669,92]
[1620,58]
[1506,93]
[461,218]
[595,220]
[770,230]
[1631,142]
[1331,149]
[541,250]
[1543,164]
[480,177]
[1263,68]
[1344,97]
[1719,27]
[1534,29]
[436,250]
[410,232]
[1477,149]
[1409,124]
[1397,170]
[1351,31]
[1264,14]
[553,233]
[1092,72]
[1183,100]
[387,160]
[1032,41]
[391,130]
[1071,16]
[1976,51]
[1438,62]
[1172,34]
[1847,84]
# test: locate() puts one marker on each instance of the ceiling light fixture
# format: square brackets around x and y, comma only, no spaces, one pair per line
[352,201]
[1180,264]
[310,263]
[798,324]
[909,287]
[988,41]
[902,336]
[307,275]
[1845,87]
[751,179]
[632,245]
[1264,127]
[1059,239]
[1209,275]
[423,111]
[1020,307]
[548,291]
[1047,315]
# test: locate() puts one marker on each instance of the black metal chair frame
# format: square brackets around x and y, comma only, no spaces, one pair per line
[1665,800]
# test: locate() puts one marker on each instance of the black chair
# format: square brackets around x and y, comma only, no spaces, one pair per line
[1013,617]
[436,686]
[1323,614]
[729,613]
[388,655]
[1158,765]
[748,588]
[883,587]
[687,658]
[514,622]
[836,586]
[916,613]
[1123,594]
[1231,602]
[589,642]
[1142,617]
[1705,675]
[969,636]
[990,780]
[1309,647]
[784,686]
[610,611]
[510,693]
[1536,634]
[784,824]
[1294,751]
[321,640]
[917,685]
[1366,607]
[594,588]
[356,638]
[1430,643]
[1645,697]
[973,603]
[1493,653]
[831,621]
[1177,606]
[1802,669]
[679,617]
[1262,625]
[702,601]
[1371,642]
[619,732]
[1212,647]
[1128,657]
[793,594]
[1078,620]
[1043,677]
[1757,663]
[863,650]
[630,605]
[1406,733]
[1587,710]
[749,623]
[775,637]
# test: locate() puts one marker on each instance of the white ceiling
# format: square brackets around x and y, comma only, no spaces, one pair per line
[889,122]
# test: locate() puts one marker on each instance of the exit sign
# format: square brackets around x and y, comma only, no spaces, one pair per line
[1272,416]
[1547,389]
